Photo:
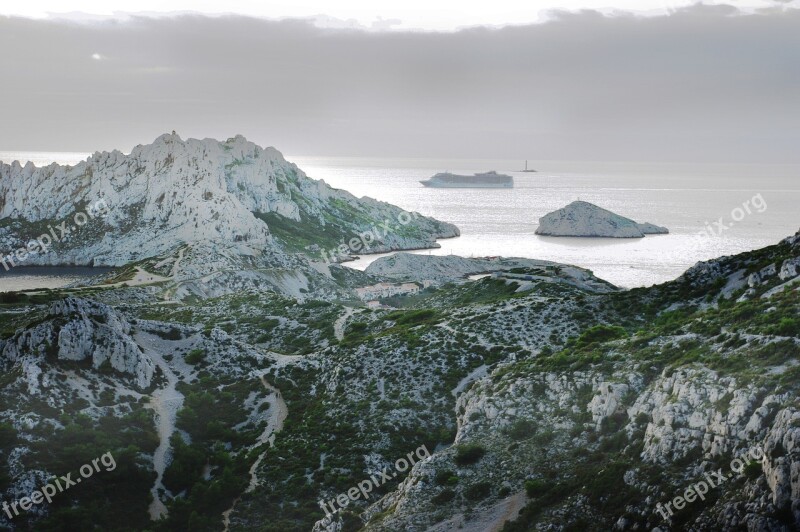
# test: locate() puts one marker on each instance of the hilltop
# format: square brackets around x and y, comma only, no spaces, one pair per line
[218,212]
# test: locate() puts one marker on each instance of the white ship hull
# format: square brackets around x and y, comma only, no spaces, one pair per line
[483,180]
[428,183]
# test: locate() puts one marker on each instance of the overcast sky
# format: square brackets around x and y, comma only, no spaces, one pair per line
[439,15]
[703,83]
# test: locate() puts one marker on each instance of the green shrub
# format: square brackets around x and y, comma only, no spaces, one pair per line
[468,454]
[753,470]
[414,317]
[521,429]
[599,334]
[787,327]
[12,297]
[195,356]
[173,334]
[186,467]
[8,435]
[478,491]
[446,478]
[536,488]
[444,496]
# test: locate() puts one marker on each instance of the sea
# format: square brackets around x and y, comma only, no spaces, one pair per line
[711,210]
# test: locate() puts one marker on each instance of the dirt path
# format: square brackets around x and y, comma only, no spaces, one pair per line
[141,277]
[277,415]
[514,504]
[338,326]
[476,374]
[165,402]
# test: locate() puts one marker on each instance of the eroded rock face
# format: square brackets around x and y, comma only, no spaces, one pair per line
[782,469]
[697,410]
[78,330]
[790,268]
[581,218]
[608,401]
[761,276]
[174,192]
[689,416]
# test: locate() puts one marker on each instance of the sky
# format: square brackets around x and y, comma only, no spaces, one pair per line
[589,81]
[431,15]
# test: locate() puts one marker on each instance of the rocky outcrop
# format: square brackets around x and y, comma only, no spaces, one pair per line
[790,269]
[782,469]
[697,409]
[581,218]
[680,421]
[78,330]
[173,192]
[760,277]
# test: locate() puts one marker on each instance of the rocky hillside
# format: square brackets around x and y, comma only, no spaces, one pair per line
[173,192]
[598,433]
[549,400]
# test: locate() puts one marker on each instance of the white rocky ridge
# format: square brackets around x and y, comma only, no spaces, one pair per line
[581,218]
[175,192]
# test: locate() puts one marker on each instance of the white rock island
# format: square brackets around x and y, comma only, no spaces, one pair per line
[581,218]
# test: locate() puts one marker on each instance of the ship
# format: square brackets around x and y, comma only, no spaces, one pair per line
[526,168]
[479,180]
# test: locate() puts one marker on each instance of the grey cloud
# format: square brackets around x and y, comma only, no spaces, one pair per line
[704,83]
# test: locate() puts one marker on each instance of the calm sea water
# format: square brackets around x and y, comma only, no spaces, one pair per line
[685,198]
[37,277]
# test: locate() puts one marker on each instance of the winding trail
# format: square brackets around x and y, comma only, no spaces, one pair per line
[277,415]
[165,402]
[513,505]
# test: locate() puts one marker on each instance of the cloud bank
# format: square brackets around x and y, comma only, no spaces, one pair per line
[701,84]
